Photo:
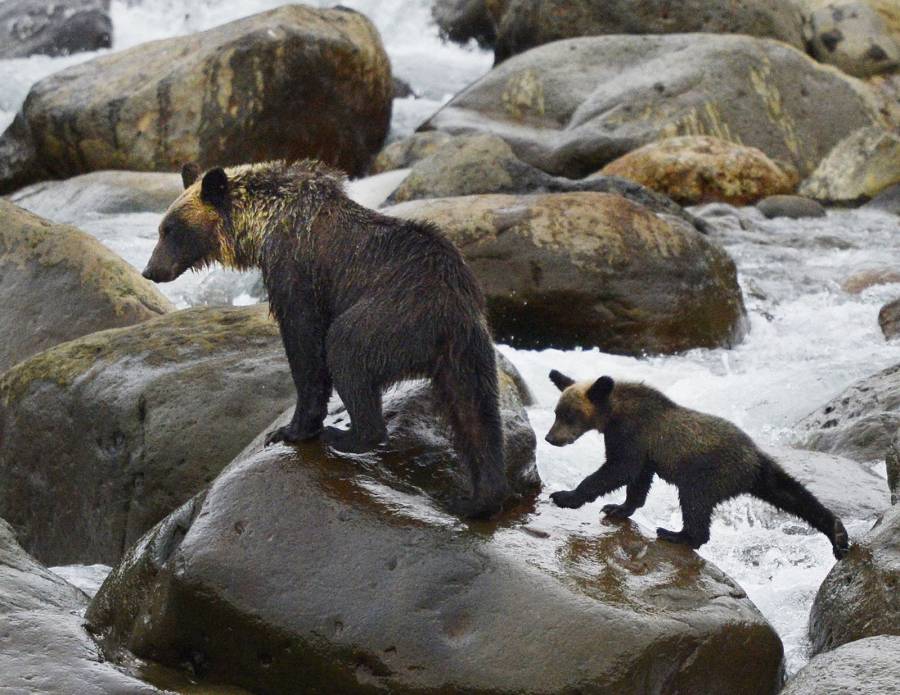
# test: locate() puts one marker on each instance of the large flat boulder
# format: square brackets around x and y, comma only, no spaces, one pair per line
[525,24]
[572,106]
[52,27]
[860,422]
[58,283]
[859,167]
[43,646]
[290,83]
[859,597]
[347,576]
[592,269]
[695,169]
[867,666]
[138,420]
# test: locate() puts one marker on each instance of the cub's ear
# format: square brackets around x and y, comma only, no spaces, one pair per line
[600,390]
[190,172]
[214,187]
[561,380]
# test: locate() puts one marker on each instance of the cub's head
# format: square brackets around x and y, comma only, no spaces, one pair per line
[190,234]
[581,407]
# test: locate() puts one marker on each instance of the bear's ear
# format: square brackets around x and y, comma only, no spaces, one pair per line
[600,390]
[214,187]
[561,380]
[190,172]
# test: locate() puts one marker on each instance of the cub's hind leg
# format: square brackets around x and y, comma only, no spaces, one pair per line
[696,514]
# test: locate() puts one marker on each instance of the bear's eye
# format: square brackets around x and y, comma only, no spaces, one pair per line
[168,229]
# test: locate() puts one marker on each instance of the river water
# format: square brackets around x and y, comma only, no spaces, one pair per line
[808,338]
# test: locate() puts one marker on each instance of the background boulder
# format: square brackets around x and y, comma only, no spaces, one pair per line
[793,206]
[525,24]
[53,27]
[859,597]
[697,169]
[138,419]
[572,106]
[289,83]
[852,36]
[59,283]
[591,269]
[859,167]
[889,318]
[344,574]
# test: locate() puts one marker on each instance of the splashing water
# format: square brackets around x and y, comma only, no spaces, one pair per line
[808,338]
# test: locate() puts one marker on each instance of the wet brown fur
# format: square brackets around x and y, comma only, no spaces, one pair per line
[363,300]
[706,457]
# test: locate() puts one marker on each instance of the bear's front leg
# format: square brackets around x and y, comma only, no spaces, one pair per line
[303,335]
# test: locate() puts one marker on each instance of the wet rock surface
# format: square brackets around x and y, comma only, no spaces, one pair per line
[865,666]
[860,422]
[864,279]
[702,169]
[892,464]
[297,565]
[525,24]
[889,317]
[859,597]
[793,206]
[220,97]
[572,106]
[52,27]
[138,420]
[591,269]
[858,168]
[50,273]
[43,645]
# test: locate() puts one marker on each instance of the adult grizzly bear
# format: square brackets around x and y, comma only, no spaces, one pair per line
[707,458]
[363,300]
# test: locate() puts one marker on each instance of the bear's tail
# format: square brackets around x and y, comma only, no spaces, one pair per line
[774,485]
[466,382]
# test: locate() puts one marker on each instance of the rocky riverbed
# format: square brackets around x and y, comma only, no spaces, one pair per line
[131,415]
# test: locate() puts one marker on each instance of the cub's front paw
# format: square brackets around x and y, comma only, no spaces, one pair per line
[568,499]
[617,511]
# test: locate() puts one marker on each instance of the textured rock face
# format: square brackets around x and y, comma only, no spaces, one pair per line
[700,169]
[889,317]
[892,463]
[405,152]
[290,83]
[866,666]
[572,106]
[860,422]
[139,419]
[859,597]
[43,646]
[50,273]
[528,23]
[53,27]
[865,279]
[591,269]
[343,575]
[792,206]
[852,36]
[859,167]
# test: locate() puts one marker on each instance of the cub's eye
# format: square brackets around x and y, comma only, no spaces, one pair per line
[168,229]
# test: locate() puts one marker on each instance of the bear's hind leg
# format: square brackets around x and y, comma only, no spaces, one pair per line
[696,516]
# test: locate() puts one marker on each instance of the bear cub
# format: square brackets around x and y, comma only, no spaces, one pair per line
[707,458]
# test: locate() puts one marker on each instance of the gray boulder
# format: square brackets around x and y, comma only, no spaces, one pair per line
[867,666]
[297,567]
[572,106]
[794,207]
[858,423]
[289,83]
[886,201]
[859,597]
[594,269]
[889,317]
[852,36]
[51,27]
[43,645]
[525,24]
[58,283]
[138,419]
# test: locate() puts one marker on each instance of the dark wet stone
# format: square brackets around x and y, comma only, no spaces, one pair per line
[792,206]
[50,27]
[867,666]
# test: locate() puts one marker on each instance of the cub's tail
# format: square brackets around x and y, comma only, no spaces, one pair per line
[466,381]
[774,485]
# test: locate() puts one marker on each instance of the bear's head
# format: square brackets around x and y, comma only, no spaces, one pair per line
[191,231]
[581,407]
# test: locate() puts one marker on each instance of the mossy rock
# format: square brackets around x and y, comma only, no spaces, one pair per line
[58,283]
[138,420]
[591,269]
